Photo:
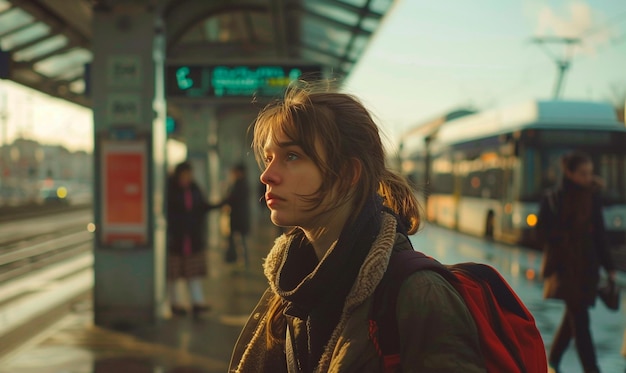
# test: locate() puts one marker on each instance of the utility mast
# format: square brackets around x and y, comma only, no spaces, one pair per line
[562,63]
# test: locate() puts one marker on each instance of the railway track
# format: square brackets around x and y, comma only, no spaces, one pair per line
[45,269]
[15,213]
[19,260]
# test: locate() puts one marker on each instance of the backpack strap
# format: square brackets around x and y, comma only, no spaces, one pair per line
[383,325]
[485,293]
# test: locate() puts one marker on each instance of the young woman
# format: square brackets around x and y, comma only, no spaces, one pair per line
[186,257]
[571,230]
[324,170]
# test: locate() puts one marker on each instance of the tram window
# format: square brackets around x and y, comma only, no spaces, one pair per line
[472,184]
[443,183]
[612,170]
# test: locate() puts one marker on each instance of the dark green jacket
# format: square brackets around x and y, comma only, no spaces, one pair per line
[437,333]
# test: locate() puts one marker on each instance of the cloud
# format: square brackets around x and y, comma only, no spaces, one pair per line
[576,20]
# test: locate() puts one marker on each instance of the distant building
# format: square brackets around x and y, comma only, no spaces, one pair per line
[25,164]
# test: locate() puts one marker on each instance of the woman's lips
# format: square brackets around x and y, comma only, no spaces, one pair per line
[272,199]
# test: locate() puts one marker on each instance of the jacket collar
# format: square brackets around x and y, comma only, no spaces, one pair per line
[370,274]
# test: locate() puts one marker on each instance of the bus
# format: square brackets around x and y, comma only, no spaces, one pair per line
[484,173]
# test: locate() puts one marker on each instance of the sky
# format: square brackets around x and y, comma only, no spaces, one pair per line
[30,114]
[429,57]
[426,58]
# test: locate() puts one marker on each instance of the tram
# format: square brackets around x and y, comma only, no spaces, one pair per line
[484,173]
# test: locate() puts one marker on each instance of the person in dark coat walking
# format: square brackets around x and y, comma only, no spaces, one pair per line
[571,231]
[186,238]
[238,199]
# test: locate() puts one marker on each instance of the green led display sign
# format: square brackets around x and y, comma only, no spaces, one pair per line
[234,81]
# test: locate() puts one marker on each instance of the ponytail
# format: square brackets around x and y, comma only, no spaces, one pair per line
[398,196]
[275,324]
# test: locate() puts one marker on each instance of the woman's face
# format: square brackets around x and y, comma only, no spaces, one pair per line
[184,178]
[582,175]
[290,176]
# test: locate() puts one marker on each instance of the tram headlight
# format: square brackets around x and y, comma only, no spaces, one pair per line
[618,221]
[61,192]
[531,220]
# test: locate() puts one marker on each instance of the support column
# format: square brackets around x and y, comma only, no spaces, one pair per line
[129,163]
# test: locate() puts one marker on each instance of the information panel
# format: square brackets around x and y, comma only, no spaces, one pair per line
[198,81]
[124,201]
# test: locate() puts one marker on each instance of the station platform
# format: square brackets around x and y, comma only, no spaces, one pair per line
[204,345]
[177,344]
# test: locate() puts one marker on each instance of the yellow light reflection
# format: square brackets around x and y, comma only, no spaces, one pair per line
[61,192]
[91,227]
[531,220]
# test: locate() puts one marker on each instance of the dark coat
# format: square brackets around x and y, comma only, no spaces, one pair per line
[181,222]
[239,201]
[570,230]
[436,330]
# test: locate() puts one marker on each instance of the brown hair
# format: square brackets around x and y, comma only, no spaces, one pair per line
[345,131]
[574,159]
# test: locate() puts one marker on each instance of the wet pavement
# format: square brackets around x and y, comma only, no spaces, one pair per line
[185,345]
[174,345]
[520,266]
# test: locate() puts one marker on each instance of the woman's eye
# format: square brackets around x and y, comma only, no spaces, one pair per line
[292,156]
[267,160]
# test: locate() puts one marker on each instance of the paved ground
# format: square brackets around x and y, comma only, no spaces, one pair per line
[184,345]
[176,345]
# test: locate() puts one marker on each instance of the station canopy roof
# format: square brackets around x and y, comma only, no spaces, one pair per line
[49,41]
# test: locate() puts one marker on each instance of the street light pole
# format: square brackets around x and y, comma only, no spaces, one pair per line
[563,64]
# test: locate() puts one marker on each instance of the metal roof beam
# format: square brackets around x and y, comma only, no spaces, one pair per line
[53,53]
[46,85]
[45,15]
[32,42]
[325,52]
[362,12]
[366,11]
[337,24]
[17,29]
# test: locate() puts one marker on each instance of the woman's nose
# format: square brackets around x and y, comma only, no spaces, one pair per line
[269,175]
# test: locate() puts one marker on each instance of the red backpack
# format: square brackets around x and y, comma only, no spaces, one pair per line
[509,337]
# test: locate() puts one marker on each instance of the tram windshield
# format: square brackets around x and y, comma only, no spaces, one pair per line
[542,168]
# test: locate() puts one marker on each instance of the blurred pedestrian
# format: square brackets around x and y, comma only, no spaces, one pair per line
[571,232]
[186,237]
[325,176]
[238,199]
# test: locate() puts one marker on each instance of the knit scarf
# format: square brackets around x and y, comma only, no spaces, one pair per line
[316,291]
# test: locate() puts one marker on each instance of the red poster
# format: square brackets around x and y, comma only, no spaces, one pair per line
[124,189]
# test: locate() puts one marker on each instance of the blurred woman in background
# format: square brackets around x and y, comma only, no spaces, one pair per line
[186,237]
[571,231]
